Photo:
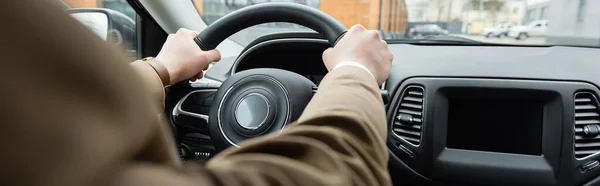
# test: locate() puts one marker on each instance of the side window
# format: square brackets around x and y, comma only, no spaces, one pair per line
[113,20]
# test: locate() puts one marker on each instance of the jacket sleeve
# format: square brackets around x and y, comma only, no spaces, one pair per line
[335,142]
[151,81]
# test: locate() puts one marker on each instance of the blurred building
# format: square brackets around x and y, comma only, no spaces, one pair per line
[418,10]
[434,10]
[536,10]
[574,22]
[478,14]
[388,16]
[384,15]
[471,15]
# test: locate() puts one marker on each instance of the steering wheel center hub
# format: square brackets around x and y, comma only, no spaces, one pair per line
[256,102]
[252,111]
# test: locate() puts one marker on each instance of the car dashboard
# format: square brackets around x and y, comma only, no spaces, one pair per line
[461,115]
[288,52]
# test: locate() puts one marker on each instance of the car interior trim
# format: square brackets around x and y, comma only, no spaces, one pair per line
[178,110]
[395,114]
[245,53]
[172,15]
[594,155]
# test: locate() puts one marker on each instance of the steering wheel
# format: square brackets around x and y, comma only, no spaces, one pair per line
[256,102]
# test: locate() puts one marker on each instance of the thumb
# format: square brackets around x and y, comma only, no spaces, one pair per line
[326,59]
[326,53]
[212,56]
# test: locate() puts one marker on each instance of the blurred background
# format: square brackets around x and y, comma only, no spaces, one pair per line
[520,22]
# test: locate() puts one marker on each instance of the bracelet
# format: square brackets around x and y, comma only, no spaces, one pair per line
[160,69]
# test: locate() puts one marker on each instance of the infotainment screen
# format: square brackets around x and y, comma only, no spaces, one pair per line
[495,125]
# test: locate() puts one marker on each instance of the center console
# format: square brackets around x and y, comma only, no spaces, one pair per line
[495,131]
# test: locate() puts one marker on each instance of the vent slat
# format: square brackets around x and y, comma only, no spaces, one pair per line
[581,137]
[411,107]
[579,100]
[586,113]
[411,139]
[409,112]
[414,99]
[587,122]
[585,152]
[585,107]
[591,144]
[415,93]
[410,133]
[407,127]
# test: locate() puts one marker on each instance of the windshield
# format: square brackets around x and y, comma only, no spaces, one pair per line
[516,22]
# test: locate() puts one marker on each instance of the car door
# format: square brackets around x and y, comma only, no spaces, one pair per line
[499,29]
[544,29]
[536,30]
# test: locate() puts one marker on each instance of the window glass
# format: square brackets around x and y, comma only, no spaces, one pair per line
[581,10]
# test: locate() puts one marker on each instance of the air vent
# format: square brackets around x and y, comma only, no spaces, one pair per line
[587,124]
[409,118]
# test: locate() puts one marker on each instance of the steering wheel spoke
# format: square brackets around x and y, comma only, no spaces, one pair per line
[178,110]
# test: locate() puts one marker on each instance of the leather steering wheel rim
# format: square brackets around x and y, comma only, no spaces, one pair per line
[243,18]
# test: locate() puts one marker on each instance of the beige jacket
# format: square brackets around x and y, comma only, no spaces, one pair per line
[75,113]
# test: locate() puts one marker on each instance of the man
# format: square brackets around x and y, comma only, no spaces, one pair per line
[75,114]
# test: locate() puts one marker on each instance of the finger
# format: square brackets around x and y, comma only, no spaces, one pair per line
[212,55]
[181,31]
[186,32]
[384,42]
[326,54]
[200,75]
[206,68]
[374,34]
[357,28]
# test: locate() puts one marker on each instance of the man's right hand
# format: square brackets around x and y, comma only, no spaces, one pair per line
[364,47]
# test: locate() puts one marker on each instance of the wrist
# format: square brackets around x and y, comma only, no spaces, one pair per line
[172,70]
[354,64]
[161,70]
